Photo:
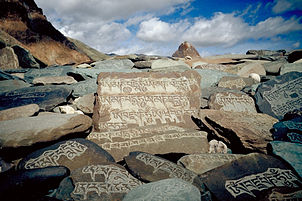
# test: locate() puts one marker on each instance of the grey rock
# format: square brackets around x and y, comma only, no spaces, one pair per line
[8,59]
[84,87]
[116,64]
[85,103]
[266,52]
[207,92]
[237,83]
[5,166]
[254,67]
[167,189]
[290,152]
[178,68]
[280,95]
[47,97]
[142,64]
[297,67]
[26,59]
[163,63]
[11,85]
[58,80]
[19,112]
[7,76]
[281,129]
[273,68]
[210,78]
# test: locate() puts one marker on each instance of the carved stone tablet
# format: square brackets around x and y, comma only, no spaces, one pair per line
[127,100]
[243,132]
[201,163]
[280,95]
[151,139]
[250,177]
[228,101]
[235,82]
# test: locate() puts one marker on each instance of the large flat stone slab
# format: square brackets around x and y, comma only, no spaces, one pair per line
[252,177]
[127,100]
[49,127]
[243,132]
[280,95]
[152,139]
[10,85]
[19,112]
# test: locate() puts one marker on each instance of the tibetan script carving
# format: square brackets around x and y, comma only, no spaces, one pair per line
[174,170]
[70,149]
[114,180]
[273,177]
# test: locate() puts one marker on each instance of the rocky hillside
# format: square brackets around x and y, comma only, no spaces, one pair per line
[25,22]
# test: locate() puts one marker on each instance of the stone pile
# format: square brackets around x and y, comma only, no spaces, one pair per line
[153,128]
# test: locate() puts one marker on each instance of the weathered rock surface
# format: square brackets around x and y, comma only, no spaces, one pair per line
[164,63]
[47,97]
[290,152]
[167,189]
[49,127]
[297,67]
[26,59]
[280,95]
[58,80]
[286,130]
[154,140]
[8,59]
[186,49]
[85,103]
[73,154]
[252,68]
[237,83]
[30,184]
[210,78]
[266,52]
[97,182]
[273,68]
[152,168]
[127,100]
[10,85]
[235,102]
[19,112]
[83,88]
[201,163]
[5,166]
[116,64]
[294,56]
[243,132]
[251,177]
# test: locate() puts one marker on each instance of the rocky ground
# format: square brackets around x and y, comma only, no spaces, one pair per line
[142,127]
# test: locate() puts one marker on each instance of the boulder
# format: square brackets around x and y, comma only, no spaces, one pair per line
[167,189]
[252,68]
[73,154]
[266,52]
[114,64]
[19,112]
[85,103]
[83,88]
[291,67]
[54,80]
[251,177]
[11,85]
[201,163]
[186,49]
[142,64]
[26,59]
[207,92]
[28,131]
[273,68]
[234,102]
[152,139]
[237,83]
[178,68]
[47,97]
[294,55]
[242,132]
[8,59]
[163,63]
[219,67]
[280,95]
[7,76]
[286,130]
[97,182]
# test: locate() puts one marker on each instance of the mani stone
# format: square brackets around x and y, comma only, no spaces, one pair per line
[201,163]
[252,68]
[163,63]
[250,177]
[127,100]
[113,64]
[235,102]
[8,59]
[168,189]
[243,132]
[47,97]
[30,184]
[54,80]
[85,103]
[72,154]
[210,77]
[84,87]
[98,182]
[280,95]
[45,128]
[290,152]
[152,139]
[19,112]
[237,83]
[290,68]
[10,85]
[282,129]
[152,168]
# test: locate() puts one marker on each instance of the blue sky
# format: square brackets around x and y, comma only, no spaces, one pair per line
[159,26]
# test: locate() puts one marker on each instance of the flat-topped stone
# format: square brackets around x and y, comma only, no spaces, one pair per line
[127,100]
[280,95]
[235,102]
[201,163]
[85,103]
[244,132]
[237,83]
[55,80]
[49,127]
[72,154]
[152,139]
[19,112]
[10,85]
[210,77]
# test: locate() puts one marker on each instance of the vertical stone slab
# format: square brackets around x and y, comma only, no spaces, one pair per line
[8,59]
[127,100]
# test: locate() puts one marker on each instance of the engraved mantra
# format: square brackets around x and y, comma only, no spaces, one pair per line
[132,133]
[70,149]
[238,83]
[273,177]
[116,180]
[232,102]
[148,140]
[174,170]
[142,85]
[213,157]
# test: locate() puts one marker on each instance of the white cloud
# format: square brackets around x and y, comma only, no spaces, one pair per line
[281,6]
